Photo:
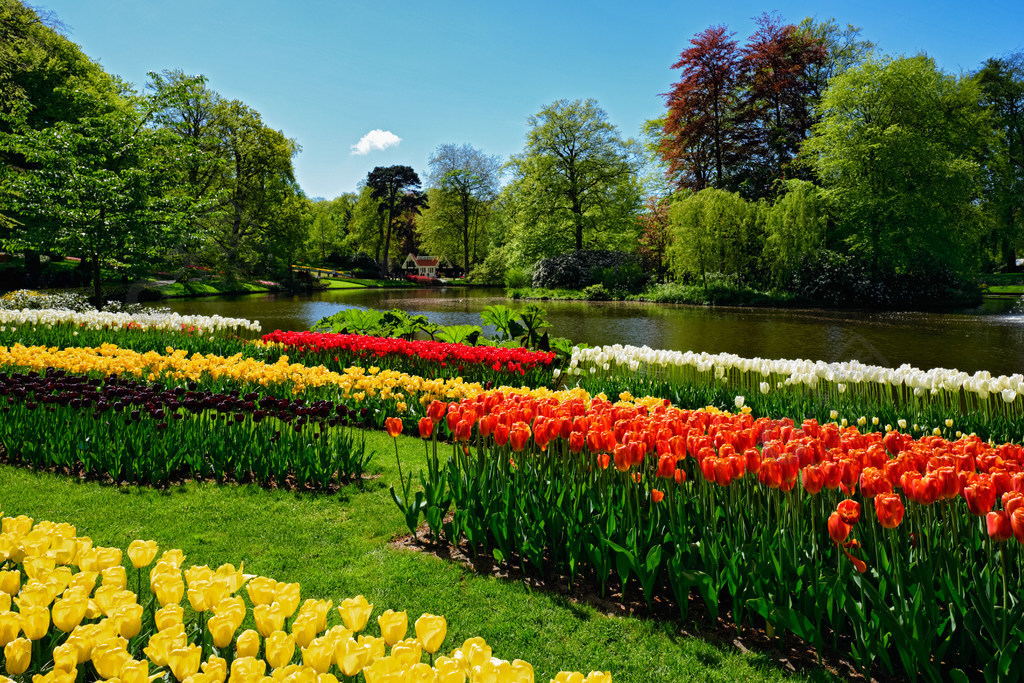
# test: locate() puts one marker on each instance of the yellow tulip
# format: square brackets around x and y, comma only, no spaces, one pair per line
[65,657]
[10,581]
[55,675]
[108,659]
[142,553]
[269,618]
[420,672]
[407,652]
[82,640]
[453,676]
[222,630]
[16,526]
[492,671]
[431,630]
[173,557]
[374,645]
[161,643]
[115,576]
[35,593]
[247,668]
[233,607]
[69,612]
[568,677]
[109,598]
[319,655]
[168,616]
[351,657]
[280,649]
[304,629]
[10,627]
[128,620]
[184,661]
[384,670]
[234,578]
[216,667]
[85,581]
[5,602]
[285,673]
[169,589]
[598,677]
[18,653]
[107,557]
[248,644]
[355,612]
[197,595]
[393,626]
[287,595]
[134,671]
[522,672]
[262,590]
[327,678]
[319,609]
[35,621]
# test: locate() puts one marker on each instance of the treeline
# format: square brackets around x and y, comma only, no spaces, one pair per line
[799,163]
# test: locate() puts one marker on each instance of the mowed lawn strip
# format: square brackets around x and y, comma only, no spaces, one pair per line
[338,546]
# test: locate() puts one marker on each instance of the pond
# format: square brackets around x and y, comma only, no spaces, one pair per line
[988,338]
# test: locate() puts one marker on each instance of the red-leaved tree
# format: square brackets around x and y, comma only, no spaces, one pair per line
[699,141]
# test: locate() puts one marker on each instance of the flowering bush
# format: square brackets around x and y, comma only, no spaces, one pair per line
[101,320]
[58,626]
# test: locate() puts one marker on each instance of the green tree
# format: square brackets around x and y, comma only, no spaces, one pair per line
[329,227]
[1002,87]
[93,188]
[714,231]
[465,182]
[896,150]
[575,184]
[397,190]
[795,227]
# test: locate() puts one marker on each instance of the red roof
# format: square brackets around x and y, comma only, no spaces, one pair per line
[425,261]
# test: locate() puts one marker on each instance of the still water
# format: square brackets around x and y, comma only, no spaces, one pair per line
[988,338]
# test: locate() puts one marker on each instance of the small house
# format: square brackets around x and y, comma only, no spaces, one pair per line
[424,266]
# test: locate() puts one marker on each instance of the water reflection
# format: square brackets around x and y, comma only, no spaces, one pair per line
[990,337]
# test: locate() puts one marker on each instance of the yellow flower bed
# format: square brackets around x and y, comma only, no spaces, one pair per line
[355,382]
[56,587]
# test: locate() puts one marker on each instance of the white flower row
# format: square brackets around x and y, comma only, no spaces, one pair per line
[621,359]
[98,320]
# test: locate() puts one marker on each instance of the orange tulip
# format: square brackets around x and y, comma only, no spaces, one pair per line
[1017,524]
[519,435]
[980,495]
[837,528]
[393,425]
[657,496]
[999,527]
[849,511]
[426,426]
[889,509]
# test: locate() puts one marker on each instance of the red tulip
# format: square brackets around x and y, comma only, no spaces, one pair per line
[519,435]
[849,511]
[889,509]
[501,434]
[999,527]
[426,427]
[576,442]
[436,410]
[980,495]
[837,528]
[813,479]
[622,461]
[393,425]
[657,496]
[1017,524]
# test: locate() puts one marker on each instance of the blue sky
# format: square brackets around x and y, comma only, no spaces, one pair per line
[328,72]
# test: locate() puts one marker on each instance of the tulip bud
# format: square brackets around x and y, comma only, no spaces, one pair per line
[247,668]
[115,576]
[108,659]
[522,672]
[269,618]
[248,644]
[10,581]
[169,616]
[35,621]
[184,661]
[319,655]
[407,652]
[351,657]
[222,630]
[128,620]
[68,612]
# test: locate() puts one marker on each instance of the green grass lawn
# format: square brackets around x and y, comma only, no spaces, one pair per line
[346,283]
[339,545]
[1005,289]
[194,287]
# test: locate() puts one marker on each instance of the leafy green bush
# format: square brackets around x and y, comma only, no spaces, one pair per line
[578,269]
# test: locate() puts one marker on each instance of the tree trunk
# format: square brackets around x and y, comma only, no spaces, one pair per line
[384,265]
[97,282]
[465,232]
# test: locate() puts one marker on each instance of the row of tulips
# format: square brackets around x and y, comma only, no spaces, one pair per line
[496,364]
[990,406]
[127,431]
[67,614]
[899,550]
[101,320]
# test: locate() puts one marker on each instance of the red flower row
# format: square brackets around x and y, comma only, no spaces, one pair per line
[516,360]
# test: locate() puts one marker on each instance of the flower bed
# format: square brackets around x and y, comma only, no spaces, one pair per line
[979,402]
[761,517]
[498,365]
[98,320]
[58,626]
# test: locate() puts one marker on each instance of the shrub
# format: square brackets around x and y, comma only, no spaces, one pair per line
[578,269]
[596,293]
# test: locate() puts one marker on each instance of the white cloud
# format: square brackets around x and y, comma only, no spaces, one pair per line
[375,139]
